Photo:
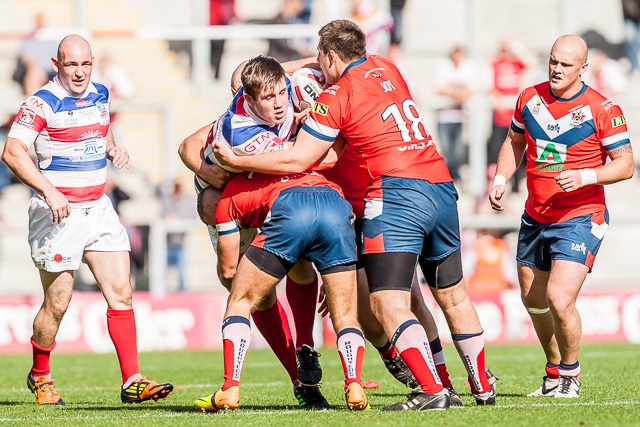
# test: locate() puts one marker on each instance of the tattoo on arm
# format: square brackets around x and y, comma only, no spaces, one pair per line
[621,150]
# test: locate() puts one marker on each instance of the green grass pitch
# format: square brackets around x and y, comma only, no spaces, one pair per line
[90,383]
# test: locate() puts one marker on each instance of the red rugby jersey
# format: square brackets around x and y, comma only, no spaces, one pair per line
[564,134]
[372,107]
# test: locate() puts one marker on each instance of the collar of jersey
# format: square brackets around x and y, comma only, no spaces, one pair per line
[353,64]
[580,92]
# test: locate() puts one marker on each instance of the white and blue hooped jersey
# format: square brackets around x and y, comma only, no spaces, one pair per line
[248,134]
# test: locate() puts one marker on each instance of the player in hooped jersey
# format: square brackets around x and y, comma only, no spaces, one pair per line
[70,218]
[260,119]
[567,131]
[410,205]
[301,215]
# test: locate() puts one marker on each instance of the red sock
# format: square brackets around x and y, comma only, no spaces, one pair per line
[412,343]
[122,330]
[273,324]
[236,334]
[552,371]
[351,345]
[471,350]
[303,300]
[441,366]
[387,351]
[41,357]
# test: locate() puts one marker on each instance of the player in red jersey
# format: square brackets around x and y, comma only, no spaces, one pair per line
[300,215]
[410,206]
[567,131]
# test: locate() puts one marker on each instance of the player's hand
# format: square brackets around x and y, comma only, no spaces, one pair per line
[223,153]
[569,180]
[58,203]
[215,175]
[303,115]
[322,300]
[119,156]
[495,197]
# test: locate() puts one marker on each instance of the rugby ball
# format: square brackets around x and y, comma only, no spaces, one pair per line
[306,85]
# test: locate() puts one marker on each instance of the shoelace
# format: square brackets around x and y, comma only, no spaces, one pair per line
[46,388]
[309,360]
[565,385]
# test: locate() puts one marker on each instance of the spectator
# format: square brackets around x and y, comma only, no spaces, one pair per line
[176,205]
[396,9]
[34,68]
[456,81]
[490,264]
[631,16]
[508,72]
[605,75]
[285,50]
[221,12]
[374,21]
[115,77]
[5,173]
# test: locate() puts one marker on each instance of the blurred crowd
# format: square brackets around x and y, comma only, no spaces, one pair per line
[500,78]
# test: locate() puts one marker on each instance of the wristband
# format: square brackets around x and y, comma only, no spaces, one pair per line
[499,180]
[588,177]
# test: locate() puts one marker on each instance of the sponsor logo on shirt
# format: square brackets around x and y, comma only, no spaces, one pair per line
[536,107]
[618,121]
[374,72]
[550,155]
[26,118]
[83,103]
[321,109]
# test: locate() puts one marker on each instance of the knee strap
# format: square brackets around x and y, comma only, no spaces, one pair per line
[537,310]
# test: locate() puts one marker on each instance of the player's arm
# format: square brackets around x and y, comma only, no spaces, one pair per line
[191,154]
[509,159]
[331,157]
[228,256]
[118,155]
[292,66]
[620,167]
[305,153]
[17,159]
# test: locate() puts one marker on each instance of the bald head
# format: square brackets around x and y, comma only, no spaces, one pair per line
[236,77]
[73,64]
[73,44]
[573,46]
[567,63]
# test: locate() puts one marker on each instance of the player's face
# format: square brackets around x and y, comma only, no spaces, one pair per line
[326,65]
[272,103]
[565,69]
[74,68]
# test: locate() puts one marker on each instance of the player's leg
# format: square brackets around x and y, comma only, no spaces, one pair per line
[250,286]
[302,294]
[206,202]
[533,292]
[58,289]
[441,266]
[422,312]
[341,293]
[564,284]
[390,276]
[450,292]
[111,271]
[375,334]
